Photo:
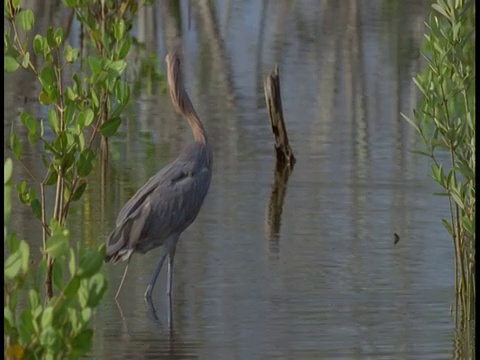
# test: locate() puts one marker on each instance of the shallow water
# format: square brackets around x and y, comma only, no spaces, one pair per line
[322,278]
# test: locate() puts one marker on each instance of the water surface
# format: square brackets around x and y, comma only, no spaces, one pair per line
[322,278]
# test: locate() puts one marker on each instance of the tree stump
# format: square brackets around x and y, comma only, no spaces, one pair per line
[273,100]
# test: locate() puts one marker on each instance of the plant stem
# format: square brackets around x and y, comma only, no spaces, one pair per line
[456,224]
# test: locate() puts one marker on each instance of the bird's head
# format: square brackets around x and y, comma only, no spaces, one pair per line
[175,81]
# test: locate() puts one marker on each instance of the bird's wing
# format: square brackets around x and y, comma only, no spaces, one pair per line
[175,204]
[168,203]
[119,244]
[139,197]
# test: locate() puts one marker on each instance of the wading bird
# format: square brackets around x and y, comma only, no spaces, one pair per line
[170,201]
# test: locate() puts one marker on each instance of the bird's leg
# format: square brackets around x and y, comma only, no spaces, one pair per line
[123,278]
[170,313]
[148,292]
[171,256]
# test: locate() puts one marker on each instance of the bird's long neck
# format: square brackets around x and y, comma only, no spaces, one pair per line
[198,130]
[181,100]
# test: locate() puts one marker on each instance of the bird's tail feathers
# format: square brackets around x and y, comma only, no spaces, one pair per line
[121,255]
[116,246]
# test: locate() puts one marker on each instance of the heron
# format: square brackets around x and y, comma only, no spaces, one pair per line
[163,208]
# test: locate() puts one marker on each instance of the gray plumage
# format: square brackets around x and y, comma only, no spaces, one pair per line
[171,200]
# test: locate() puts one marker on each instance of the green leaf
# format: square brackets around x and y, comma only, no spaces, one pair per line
[118,67]
[468,225]
[110,126]
[71,262]
[77,84]
[70,111]
[33,138]
[29,122]
[26,60]
[52,178]
[53,120]
[31,194]
[57,275]
[457,199]
[8,317]
[83,293]
[126,93]
[22,187]
[7,171]
[440,10]
[33,299]
[97,288]
[411,122]
[455,30]
[14,295]
[58,36]
[26,19]
[81,141]
[47,317]
[450,178]
[96,64]
[48,337]
[82,343]
[22,191]
[25,255]
[51,38]
[12,243]
[89,116]
[9,48]
[442,193]
[91,263]
[7,206]
[79,191]
[38,44]
[94,96]
[447,226]
[45,99]
[11,8]
[57,244]
[117,110]
[71,288]
[70,3]
[10,64]
[86,314]
[437,173]
[26,327]
[119,29]
[47,76]
[73,319]
[36,314]
[420,87]
[439,143]
[124,48]
[7,192]
[71,95]
[69,158]
[85,165]
[421,152]
[122,91]
[465,170]
[81,121]
[12,265]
